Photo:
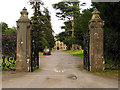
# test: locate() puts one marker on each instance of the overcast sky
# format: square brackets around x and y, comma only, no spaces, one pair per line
[10,12]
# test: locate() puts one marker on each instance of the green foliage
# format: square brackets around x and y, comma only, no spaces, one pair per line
[110,14]
[46,47]
[81,26]
[48,29]
[6,30]
[68,26]
[80,29]
[43,42]
[12,31]
[40,53]
[41,25]
[110,65]
[9,42]
[70,40]
[4,26]
[67,9]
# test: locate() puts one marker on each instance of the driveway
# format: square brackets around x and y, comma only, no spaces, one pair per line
[59,70]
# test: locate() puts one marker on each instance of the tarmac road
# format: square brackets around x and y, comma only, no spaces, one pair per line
[59,70]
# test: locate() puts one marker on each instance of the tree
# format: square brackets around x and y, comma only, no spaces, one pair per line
[4,26]
[48,32]
[68,26]
[12,31]
[9,44]
[37,31]
[81,25]
[67,10]
[109,13]
[65,34]
[41,26]
[80,28]
[9,40]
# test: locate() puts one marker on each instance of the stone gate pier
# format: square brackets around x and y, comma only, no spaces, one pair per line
[23,42]
[96,42]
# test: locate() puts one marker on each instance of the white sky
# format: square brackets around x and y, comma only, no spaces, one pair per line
[10,12]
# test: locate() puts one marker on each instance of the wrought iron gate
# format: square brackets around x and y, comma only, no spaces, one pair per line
[9,63]
[34,50]
[86,51]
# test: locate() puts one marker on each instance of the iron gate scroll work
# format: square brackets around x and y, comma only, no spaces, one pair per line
[9,63]
[86,51]
[34,50]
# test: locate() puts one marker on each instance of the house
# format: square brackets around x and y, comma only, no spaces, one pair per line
[60,46]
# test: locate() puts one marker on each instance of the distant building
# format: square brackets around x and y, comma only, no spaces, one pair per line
[60,46]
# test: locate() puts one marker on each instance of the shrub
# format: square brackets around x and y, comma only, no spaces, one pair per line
[9,44]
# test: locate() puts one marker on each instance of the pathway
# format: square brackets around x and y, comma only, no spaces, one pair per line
[59,70]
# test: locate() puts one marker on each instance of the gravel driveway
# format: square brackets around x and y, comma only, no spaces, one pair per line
[59,70]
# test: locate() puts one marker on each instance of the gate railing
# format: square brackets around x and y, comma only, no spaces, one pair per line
[34,51]
[86,51]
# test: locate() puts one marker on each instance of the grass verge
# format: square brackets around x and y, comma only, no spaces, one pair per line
[40,53]
[78,53]
[107,72]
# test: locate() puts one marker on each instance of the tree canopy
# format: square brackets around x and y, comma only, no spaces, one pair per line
[71,11]
[67,9]
[9,39]
[109,12]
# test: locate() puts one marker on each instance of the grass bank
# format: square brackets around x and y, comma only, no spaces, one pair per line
[78,53]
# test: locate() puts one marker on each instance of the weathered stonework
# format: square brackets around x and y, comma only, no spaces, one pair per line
[96,42]
[23,42]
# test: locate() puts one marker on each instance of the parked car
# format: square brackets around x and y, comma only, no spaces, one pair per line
[46,52]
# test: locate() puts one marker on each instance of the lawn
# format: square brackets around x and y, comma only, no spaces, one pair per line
[78,53]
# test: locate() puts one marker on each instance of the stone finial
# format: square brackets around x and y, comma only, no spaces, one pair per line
[96,15]
[24,14]
[24,9]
